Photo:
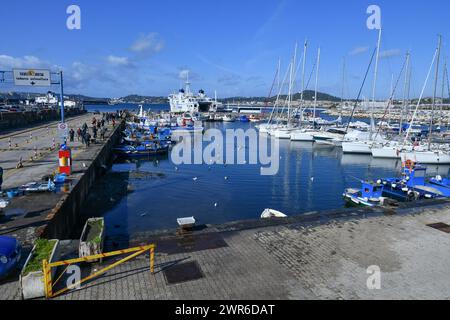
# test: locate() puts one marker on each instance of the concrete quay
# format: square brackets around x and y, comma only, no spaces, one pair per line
[303,257]
[42,214]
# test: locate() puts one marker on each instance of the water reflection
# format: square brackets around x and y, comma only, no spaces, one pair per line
[311,177]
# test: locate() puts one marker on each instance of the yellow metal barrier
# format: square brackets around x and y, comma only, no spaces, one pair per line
[46,267]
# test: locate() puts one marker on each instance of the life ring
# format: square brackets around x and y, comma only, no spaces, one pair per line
[409,164]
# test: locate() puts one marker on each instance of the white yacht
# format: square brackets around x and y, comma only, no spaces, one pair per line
[427,157]
[281,132]
[306,135]
[228,118]
[331,136]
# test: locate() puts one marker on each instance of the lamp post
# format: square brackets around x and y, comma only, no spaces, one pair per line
[62,95]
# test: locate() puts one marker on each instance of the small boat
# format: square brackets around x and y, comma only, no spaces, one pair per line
[254,118]
[439,181]
[369,195]
[229,118]
[271,213]
[186,223]
[141,151]
[412,185]
[243,118]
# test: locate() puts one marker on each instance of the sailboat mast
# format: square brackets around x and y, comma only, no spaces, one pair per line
[278,75]
[436,76]
[444,71]
[305,48]
[343,85]
[291,83]
[375,80]
[405,90]
[316,87]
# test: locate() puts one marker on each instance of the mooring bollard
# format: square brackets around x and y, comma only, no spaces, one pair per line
[9,142]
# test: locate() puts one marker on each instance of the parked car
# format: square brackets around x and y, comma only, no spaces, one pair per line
[10,252]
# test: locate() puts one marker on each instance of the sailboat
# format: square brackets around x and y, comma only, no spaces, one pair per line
[433,155]
[307,134]
[391,149]
[284,131]
[364,146]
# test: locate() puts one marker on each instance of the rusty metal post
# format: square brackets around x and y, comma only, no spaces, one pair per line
[152,260]
[47,279]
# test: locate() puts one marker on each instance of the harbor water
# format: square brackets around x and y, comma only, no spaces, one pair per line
[310,178]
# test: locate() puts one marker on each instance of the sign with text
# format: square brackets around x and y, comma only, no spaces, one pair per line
[31,77]
[63,130]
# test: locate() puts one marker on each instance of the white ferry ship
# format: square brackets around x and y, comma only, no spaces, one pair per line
[186,101]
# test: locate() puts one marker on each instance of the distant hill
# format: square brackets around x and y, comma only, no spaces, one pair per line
[308,95]
[139,99]
[13,96]
[134,98]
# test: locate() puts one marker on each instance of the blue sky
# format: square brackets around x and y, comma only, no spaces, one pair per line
[231,46]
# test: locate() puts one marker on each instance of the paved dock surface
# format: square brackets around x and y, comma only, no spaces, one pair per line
[39,139]
[292,261]
[25,214]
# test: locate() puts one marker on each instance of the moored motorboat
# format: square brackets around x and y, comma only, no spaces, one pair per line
[140,151]
[427,157]
[370,194]
[244,118]
[228,118]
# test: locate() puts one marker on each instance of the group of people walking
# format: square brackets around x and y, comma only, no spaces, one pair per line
[98,129]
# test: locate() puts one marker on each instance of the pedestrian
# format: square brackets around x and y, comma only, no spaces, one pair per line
[78,134]
[71,134]
[94,132]
[103,122]
[114,123]
[102,133]
[88,139]
[99,124]
[1,178]
[94,121]
[19,164]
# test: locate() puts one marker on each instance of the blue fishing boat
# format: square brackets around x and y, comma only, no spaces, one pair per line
[412,185]
[370,194]
[141,150]
[439,181]
[244,118]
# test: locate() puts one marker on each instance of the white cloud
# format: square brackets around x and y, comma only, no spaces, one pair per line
[9,62]
[117,61]
[146,43]
[390,53]
[81,72]
[358,50]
